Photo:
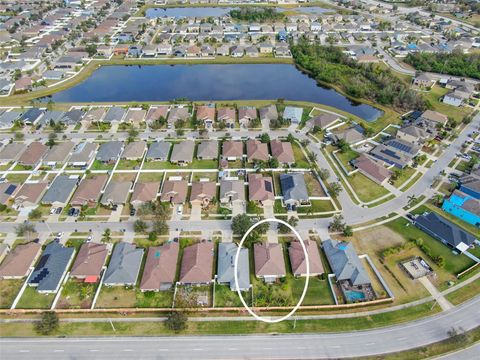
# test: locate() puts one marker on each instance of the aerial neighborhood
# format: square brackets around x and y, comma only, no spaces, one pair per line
[160,158]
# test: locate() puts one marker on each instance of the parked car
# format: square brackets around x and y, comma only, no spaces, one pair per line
[133,211]
[59,235]
[114,207]
[58,210]
[180,210]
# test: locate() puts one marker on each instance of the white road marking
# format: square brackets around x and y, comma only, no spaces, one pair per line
[369,344]
[127,350]
[58,350]
[232,349]
[197,349]
[93,350]
[24,351]
[163,350]
[401,339]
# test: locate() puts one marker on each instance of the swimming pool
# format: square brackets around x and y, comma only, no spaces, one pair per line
[353,296]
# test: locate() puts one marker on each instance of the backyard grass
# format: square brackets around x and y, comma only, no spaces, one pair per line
[121,296]
[31,299]
[98,165]
[129,165]
[300,159]
[316,207]
[8,291]
[154,299]
[346,157]
[366,189]
[313,185]
[17,178]
[150,177]
[434,95]
[454,264]
[159,165]
[405,175]
[204,164]
[224,297]
[76,295]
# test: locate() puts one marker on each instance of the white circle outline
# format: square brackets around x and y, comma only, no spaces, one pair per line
[237,255]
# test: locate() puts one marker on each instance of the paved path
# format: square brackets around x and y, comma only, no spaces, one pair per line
[308,346]
[444,303]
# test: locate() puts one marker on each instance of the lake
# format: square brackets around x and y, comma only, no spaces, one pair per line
[205,82]
[153,13]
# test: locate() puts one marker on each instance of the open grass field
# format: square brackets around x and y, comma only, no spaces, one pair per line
[366,189]
[8,291]
[300,160]
[31,299]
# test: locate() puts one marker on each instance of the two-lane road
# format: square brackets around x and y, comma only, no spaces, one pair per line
[309,346]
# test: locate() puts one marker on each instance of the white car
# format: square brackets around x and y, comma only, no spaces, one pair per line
[180,210]
[89,238]
[59,235]
[52,211]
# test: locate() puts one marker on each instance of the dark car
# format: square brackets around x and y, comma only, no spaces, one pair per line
[71,211]
[114,207]
[58,210]
[133,211]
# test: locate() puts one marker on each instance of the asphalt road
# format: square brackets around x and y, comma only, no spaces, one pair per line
[308,346]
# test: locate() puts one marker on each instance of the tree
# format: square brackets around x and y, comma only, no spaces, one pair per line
[35,214]
[51,139]
[347,231]
[176,321]
[283,229]
[337,223]
[132,134]
[273,163]
[91,49]
[265,138]
[240,224]
[47,324]
[324,174]
[343,145]
[334,189]
[290,138]
[140,226]
[160,227]
[411,199]
[25,230]
[106,237]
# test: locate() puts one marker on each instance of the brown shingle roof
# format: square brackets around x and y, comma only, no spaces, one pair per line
[372,168]
[89,190]
[90,260]
[282,151]
[260,188]
[197,264]
[203,190]
[231,148]
[32,155]
[174,191]
[160,267]
[17,263]
[145,192]
[257,150]
[269,260]
[30,192]
[297,258]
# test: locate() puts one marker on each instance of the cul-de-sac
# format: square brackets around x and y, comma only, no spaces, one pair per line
[239,179]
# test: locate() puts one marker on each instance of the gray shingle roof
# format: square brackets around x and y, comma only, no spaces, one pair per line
[50,268]
[293,187]
[345,262]
[60,190]
[109,151]
[114,113]
[159,150]
[225,266]
[124,265]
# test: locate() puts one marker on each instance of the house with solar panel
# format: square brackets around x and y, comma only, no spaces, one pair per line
[50,271]
[7,191]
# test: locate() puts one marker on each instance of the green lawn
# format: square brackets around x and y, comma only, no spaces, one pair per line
[316,207]
[454,264]
[318,292]
[159,165]
[76,295]
[464,293]
[98,165]
[404,176]
[433,97]
[154,299]
[300,159]
[204,164]
[278,208]
[120,296]
[366,189]
[31,299]
[17,178]
[224,297]
[8,291]
[128,164]
[346,157]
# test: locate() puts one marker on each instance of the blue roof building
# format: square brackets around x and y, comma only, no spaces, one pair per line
[464,207]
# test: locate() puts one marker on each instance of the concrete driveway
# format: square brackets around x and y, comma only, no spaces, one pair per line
[265,125]
[175,215]
[238,208]
[115,215]
[268,211]
[196,213]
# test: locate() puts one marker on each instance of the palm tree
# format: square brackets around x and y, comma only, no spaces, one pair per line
[411,199]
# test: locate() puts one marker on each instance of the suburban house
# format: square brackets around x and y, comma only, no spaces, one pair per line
[95,114]
[114,114]
[464,207]
[352,135]
[227,115]
[257,151]
[226,266]
[206,113]
[174,191]
[232,150]
[83,154]
[203,192]
[7,191]
[29,194]
[298,259]
[124,265]
[294,189]
[33,154]
[51,268]
[134,150]
[72,117]
[178,113]
[158,151]
[197,264]
[232,192]
[58,153]
[182,153]
[109,152]
[260,188]
[268,113]
[269,262]
[391,156]
[116,193]
[160,267]
[17,263]
[412,134]
[445,231]
[60,190]
[89,262]
[346,265]
[372,169]
[32,116]
[470,183]
[156,112]
[282,151]
[207,150]
[11,152]
[293,114]
[89,190]
[8,118]
[246,114]
[144,192]
[135,116]
[423,80]
[432,119]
